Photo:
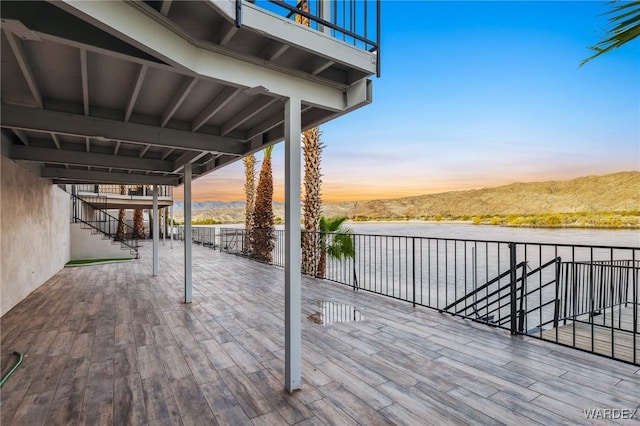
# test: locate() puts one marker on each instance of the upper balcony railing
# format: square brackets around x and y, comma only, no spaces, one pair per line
[356,22]
[129,190]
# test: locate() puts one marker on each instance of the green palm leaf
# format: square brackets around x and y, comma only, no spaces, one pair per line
[627,27]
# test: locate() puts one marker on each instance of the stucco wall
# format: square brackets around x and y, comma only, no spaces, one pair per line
[34,232]
[85,245]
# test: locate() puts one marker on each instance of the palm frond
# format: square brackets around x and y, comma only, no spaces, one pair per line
[627,27]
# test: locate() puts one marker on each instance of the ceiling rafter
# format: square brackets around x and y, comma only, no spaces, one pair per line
[322,67]
[116,148]
[91,159]
[142,72]
[220,101]
[85,80]
[56,141]
[274,121]
[167,153]
[144,150]
[22,136]
[188,83]
[166,6]
[87,143]
[106,177]
[247,114]
[15,117]
[228,33]
[18,51]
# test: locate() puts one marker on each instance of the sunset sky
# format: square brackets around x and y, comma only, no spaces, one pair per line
[476,94]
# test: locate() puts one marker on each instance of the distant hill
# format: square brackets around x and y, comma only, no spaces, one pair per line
[615,192]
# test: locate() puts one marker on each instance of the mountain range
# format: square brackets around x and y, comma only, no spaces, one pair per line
[616,192]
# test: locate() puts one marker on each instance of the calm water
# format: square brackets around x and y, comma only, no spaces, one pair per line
[606,237]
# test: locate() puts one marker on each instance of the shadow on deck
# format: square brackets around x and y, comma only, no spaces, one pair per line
[110,344]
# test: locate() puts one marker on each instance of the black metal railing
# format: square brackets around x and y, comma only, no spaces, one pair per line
[129,190]
[586,297]
[99,221]
[354,22]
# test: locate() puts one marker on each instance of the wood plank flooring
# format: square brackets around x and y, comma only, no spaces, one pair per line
[112,345]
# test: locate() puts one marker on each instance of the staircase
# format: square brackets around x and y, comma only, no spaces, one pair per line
[91,215]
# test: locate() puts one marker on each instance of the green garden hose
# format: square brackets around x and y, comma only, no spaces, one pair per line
[14,368]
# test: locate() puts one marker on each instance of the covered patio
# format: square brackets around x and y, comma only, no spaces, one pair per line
[112,344]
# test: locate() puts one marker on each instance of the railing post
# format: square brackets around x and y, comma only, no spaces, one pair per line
[413,255]
[512,299]
[238,13]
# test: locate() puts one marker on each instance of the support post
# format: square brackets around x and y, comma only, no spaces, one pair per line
[171,226]
[156,230]
[292,313]
[512,292]
[324,10]
[187,233]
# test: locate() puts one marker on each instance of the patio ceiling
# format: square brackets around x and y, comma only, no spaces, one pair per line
[115,92]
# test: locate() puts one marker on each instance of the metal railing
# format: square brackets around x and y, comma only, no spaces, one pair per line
[99,221]
[585,297]
[354,22]
[130,190]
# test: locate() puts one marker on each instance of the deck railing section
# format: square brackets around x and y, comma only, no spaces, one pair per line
[130,190]
[101,222]
[354,22]
[548,291]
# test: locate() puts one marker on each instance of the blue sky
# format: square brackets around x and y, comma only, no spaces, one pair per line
[477,94]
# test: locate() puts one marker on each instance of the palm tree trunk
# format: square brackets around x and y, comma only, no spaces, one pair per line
[312,203]
[121,218]
[263,231]
[250,190]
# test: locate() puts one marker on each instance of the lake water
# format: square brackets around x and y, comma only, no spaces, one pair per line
[595,237]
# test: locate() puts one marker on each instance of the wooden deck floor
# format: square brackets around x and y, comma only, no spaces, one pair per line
[600,337]
[110,344]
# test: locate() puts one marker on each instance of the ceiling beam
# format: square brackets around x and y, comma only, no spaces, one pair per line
[89,159]
[133,25]
[220,101]
[277,52]
[186,158]
[106,177]
[247,114]
[117,148]
[142,71]
[18,51]
[15,117]
[188,83]
[274,121]
[87,143]
[85,80]
[144,150]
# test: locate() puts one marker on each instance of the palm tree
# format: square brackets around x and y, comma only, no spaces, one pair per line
[250,192]
[263,229]
[626,27]
[335,241]
[121,217]
[312,202]
[138,221]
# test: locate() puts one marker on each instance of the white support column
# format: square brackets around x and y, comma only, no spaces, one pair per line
[171,226]
[187,233]
[292,295]
[156,230]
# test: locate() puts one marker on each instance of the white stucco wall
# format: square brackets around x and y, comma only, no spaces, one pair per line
[85,245]
[34,232]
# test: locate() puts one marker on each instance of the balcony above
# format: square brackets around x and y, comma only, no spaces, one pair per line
[129,92]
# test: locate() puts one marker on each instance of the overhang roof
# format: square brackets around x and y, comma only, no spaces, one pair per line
[129,92]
